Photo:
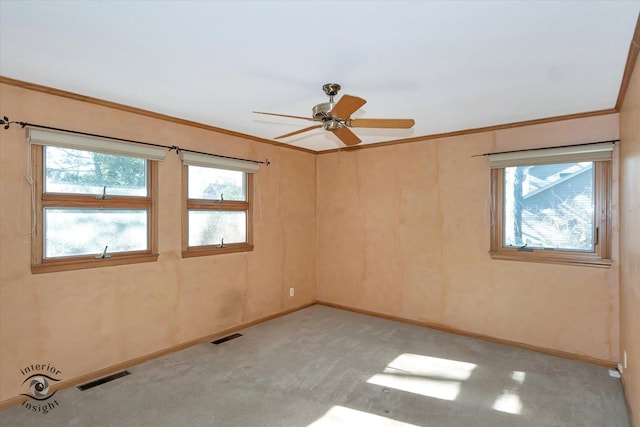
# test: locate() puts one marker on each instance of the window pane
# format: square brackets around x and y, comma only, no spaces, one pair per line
[550,206]
[70,232]
[210,227]
[87,172]
[210,183]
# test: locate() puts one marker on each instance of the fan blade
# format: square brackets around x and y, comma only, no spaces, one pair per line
[284,115]
[298,131]
[346,106]
[381,123]
[346,136]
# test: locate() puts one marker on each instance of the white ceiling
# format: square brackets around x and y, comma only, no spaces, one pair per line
[450,65]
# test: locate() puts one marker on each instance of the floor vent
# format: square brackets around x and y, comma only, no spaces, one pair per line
[101,381]
[227,338]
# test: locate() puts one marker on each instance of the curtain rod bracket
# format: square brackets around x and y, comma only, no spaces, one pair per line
[7,123]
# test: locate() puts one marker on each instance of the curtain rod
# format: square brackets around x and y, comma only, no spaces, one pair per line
[546,148]
[5,121]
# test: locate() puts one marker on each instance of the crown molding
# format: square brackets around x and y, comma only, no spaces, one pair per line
[476,130]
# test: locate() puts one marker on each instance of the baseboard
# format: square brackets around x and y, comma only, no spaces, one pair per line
[449,329]
[136,361]
[626,399]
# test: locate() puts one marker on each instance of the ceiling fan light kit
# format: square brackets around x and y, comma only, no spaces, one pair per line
[336,117]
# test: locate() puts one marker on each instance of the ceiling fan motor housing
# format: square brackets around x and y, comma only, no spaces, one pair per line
[322,110]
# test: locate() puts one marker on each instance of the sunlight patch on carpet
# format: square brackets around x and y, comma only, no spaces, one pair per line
[425,375]
[508,402]
[342,416]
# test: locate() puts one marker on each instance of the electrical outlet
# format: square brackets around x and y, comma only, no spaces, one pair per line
[625,359]
[292,292]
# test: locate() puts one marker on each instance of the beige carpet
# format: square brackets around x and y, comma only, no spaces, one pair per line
[326,367]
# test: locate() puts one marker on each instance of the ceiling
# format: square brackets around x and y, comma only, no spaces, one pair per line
[450,65]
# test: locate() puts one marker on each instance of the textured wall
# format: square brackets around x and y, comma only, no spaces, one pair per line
[81,321]
[630,241]
[403,230]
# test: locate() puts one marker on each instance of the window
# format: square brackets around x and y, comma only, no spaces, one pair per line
[552,205]
[94,202]
[217,214]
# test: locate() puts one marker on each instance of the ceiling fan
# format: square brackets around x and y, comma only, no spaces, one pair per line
[336,117]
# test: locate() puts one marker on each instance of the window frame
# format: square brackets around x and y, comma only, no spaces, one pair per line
[215,205]
[599,257]
[40,264]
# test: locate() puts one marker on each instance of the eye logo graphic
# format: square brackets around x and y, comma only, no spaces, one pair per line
[39,378]
[39,386]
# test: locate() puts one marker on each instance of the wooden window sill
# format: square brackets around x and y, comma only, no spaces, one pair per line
[52,266]
[552,257]
[215,250]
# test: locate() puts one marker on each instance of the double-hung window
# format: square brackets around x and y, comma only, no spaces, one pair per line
[217,211]
[552,205]
[94,201]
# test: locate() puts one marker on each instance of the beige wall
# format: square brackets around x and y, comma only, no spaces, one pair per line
[630,241]
[403,230]
[82,321]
